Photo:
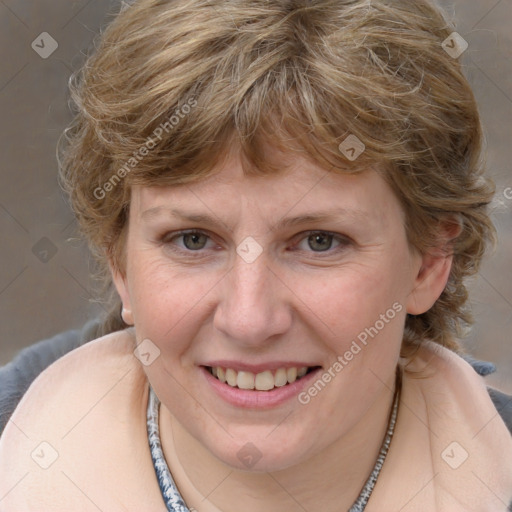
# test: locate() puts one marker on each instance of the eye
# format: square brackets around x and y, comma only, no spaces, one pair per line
[192,241]
[321,241]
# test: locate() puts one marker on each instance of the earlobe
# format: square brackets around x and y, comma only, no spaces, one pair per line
[126,315]
[119,280]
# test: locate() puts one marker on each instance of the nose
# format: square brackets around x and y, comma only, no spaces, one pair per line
[254,305]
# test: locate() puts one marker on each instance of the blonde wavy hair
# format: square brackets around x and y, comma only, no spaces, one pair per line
[300,75]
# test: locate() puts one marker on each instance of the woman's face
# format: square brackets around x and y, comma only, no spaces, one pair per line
[302,269]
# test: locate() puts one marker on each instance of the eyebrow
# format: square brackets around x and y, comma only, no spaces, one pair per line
[319,216]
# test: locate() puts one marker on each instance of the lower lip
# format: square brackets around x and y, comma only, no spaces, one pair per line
[252,399]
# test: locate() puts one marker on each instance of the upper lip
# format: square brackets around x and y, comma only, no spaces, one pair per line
[258,368]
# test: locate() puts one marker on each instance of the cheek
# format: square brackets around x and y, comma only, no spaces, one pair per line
[167,301]
[171,303]
[347,302]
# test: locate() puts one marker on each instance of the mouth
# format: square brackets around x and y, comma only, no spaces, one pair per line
[267,380]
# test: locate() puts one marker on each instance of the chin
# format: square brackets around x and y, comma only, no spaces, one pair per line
[260,454]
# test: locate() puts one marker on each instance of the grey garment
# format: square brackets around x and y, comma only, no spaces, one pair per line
[483,368]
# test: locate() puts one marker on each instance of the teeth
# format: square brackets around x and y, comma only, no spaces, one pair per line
[245,380]
[221,374]
[302,371]
[264,381]
[291,374]
[231,377]
[280,378]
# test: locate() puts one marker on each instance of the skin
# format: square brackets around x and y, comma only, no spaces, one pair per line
[289,304]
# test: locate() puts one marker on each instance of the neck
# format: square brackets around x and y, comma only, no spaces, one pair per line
[330,480]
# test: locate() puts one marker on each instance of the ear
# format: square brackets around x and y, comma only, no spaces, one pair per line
[119,279]
[434,270]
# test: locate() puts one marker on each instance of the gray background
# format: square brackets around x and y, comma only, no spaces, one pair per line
[45,275]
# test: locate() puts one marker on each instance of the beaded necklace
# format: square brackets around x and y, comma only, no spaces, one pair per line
[175,503]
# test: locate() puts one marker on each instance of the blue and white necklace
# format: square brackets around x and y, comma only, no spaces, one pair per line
[175,503]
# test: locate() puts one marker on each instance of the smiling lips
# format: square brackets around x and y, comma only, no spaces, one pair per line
[263,381]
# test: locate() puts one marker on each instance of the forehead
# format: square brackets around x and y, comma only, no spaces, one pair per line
[301,187]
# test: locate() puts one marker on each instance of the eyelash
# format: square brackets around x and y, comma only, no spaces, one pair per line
[167,241]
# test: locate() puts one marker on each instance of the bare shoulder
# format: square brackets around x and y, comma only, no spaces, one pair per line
[72,426]
[73,380]
[452,389]
[469,444]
